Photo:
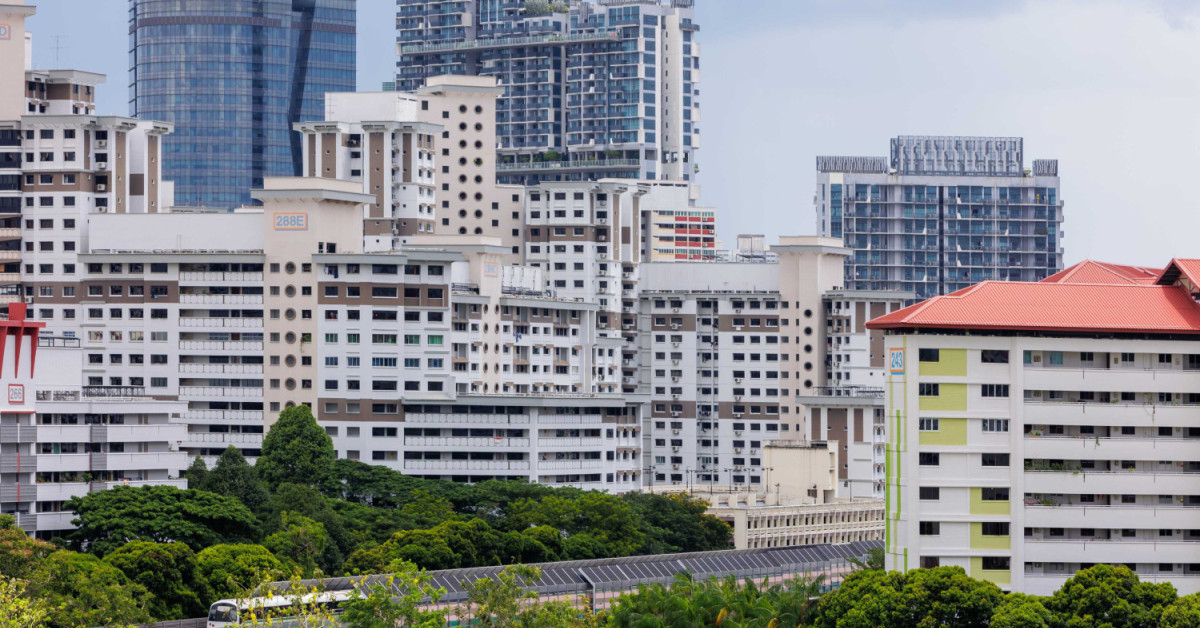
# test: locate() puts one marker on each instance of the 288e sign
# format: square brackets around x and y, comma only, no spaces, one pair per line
[291,221]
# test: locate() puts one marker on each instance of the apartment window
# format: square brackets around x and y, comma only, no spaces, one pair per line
[995,425]
[930,562]
[929,355]
[993,356]
[994,390]
[928,390]
[995,528]
[996,563]
[994,494]
[930,528]
[928,459]
[930,493]
[927,425]
[994,460]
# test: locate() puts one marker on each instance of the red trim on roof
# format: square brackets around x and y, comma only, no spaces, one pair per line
[1090,271]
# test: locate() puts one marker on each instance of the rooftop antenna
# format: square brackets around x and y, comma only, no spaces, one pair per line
[57,50]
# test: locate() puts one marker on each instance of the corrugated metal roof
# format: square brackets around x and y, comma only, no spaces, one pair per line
[1090,271]
[1188,269]
[1119,308]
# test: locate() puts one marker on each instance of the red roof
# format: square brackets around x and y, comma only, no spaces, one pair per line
[1186,268]
[1078,307]
[1089,271]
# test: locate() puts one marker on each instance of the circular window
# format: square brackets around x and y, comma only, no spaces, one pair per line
[807,313]
[478,161]
[479,196]
[462,196]
[462,161]
[478,179]
[462,143]
[462,178]
[290,404]
[478,144]
[289,314]
[808,383]
[808,348]
[478,126]
[290,337]
[290,360]
[478,231]
[290,267]
[478,109]
[462,126]
[290,291]
[485,308]
[808,366]
[808,331]
[485,350]
[485,364]
[462,108]
[290,384]
[462,213]
[462,230]
[478,213]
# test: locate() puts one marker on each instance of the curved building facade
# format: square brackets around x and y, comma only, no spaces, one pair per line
[233,75]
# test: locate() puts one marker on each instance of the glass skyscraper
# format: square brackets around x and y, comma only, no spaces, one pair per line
[233,75]
[593,88]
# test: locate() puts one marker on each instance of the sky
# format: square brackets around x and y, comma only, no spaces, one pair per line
[1107,87]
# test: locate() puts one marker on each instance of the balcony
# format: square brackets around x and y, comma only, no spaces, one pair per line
[55,520]
[578,165]
[53,492]
[254,416]
[509,42]
[210,392]
[221,299]
[207,439]
[1116,550]
[169,460]
[1110,448]
[466,419]
[1129,482]
[220,345]
[1112,517]
[63,462]
[465,441]
[1117,379]
[570,442]
[224,323]
[566,465]
[466,465]
[219,277]
[220,369]
[180,483]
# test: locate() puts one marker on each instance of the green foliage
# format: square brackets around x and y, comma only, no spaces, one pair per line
[296,450]
[233,476]
[496,602]
[596,525]
[300,545]
[874,560]
[677,523]
[1108,596]
[1183,613]
[82,590]
[1022,611]
[19,553]
[162,514]
[534,8]
[168,572]
[729,603]
[396,603]
[944,596]
[232,570]
[196,473]
[18,610]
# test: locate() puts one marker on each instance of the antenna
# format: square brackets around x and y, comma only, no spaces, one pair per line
[57,50]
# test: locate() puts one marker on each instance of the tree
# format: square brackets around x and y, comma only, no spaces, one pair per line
[873,560]
[496,602]
[169,572]
[398,602]
[606,523]
[19,553]
[162,514]
[82,590]
[944,596]
[17,610]
[233,570]
[1106,596]
[1183,613]
[1022,611]
[300,545]
[296,450]
[196,473]
[677,523]
[233,476]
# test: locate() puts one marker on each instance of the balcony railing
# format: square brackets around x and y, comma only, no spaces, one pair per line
[871,392]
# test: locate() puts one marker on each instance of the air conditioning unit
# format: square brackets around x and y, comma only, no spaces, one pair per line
[675,309]
[675,396]
[29,300]
[737,310]
[675,325]
[101,187]
[676,362]
[737,397]
[737,415]
[737,328]
[737,432]
[674,344]
[101,143]
[674,466]
[674,448]
[676,432]
[102,165]
[737,467]
[737,380]
[102,210]
[737,450]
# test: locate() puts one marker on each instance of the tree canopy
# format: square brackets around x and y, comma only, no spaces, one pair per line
[296,450]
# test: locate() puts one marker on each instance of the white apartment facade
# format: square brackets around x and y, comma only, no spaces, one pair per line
[1035,430]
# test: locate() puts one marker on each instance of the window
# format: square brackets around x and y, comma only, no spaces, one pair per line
[929,459]
[930,528]
[929,355]
[927,425]
[994,460]
[930,493]
[995,563]
[994,390]
[995,425]
[994,494]
[412,339]
[995,528]
[993,356]
[927,390]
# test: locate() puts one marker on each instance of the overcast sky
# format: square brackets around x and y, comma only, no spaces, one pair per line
[1109,88]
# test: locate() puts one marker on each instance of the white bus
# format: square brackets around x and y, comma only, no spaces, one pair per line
[276,610]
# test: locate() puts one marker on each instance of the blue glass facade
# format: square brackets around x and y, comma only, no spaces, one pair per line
[233,75]
[592,90]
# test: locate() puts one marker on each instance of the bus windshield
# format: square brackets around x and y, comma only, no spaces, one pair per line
[224,613]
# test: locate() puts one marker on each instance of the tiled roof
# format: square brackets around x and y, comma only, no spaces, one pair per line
[1089,271]
[1078,307]
[1187,268]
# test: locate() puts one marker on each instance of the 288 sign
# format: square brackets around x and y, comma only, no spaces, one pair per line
[16,393]
[291,221]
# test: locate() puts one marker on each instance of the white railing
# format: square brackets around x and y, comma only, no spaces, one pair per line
[231,369]
[467,419]
[464,441]
[220,345]
[570,419]
[557,465]
[221,322]
[221,299]
[570,442]
[466,465]
[193,277]
[219,391]
[216,437]
[223,415]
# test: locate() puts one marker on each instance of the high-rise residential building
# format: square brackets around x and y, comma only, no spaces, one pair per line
[942,213]
[233,76]
[592,88]
[1036,429]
